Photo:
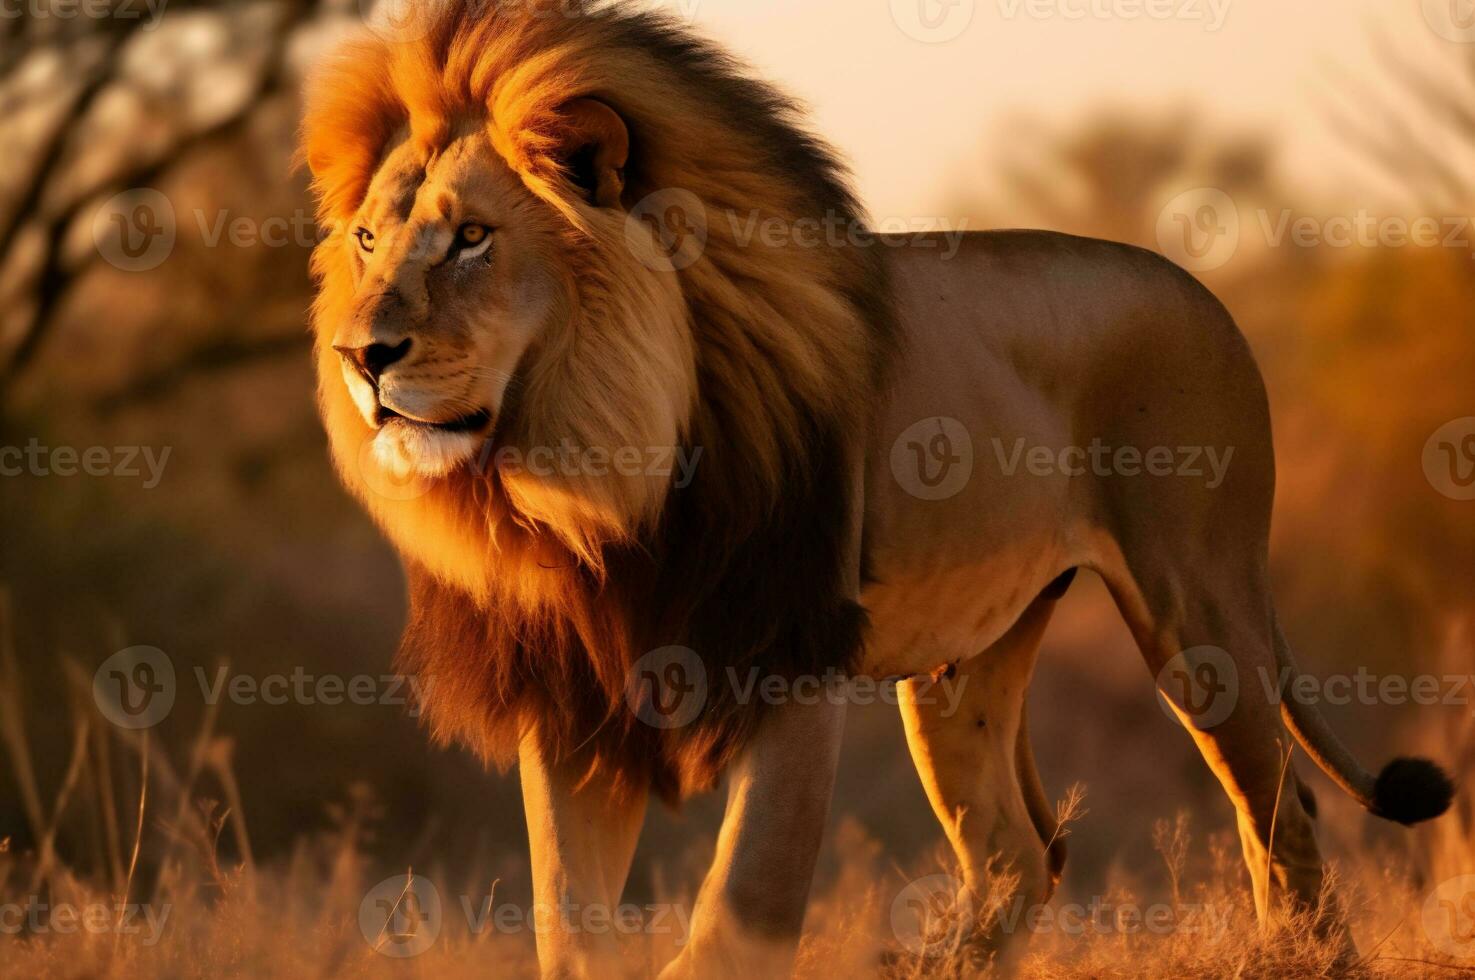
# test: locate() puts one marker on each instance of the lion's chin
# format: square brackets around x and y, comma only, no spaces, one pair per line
[407,450]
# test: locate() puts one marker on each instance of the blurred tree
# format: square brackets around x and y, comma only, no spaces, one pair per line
[1110,175]
[95,105]
[1415,123]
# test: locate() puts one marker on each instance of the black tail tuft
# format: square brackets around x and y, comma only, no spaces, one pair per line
[1410,791]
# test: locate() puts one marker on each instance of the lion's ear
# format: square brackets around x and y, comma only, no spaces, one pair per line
[594,146]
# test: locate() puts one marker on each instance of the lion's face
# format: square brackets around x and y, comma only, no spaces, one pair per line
[499,334]
[453,281]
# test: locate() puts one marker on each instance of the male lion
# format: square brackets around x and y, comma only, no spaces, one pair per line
[511,325]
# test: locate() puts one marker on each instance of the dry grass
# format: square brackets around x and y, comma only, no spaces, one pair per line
[302,916]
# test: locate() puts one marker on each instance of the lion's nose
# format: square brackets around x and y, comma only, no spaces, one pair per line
[375,359]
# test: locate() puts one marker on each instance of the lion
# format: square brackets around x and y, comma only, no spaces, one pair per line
[540,276]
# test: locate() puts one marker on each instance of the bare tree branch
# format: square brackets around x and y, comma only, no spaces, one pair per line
[55,278]
[230,350]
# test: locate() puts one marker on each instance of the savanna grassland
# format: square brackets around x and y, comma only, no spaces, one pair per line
[190,906]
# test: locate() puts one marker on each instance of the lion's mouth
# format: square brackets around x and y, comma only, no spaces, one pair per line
[475,422]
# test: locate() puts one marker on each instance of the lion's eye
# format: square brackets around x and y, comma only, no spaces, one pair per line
[366,239]
[472,240]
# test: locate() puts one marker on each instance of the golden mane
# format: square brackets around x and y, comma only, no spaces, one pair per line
[532,598]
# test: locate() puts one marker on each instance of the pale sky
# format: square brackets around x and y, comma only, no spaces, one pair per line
[914,117]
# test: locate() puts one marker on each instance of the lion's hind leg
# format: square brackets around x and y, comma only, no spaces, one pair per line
[965,733]
[1207,634]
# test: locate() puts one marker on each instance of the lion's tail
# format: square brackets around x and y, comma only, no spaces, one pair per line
[1407,791]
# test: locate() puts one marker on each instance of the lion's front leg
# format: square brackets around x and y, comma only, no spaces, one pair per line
[750,910]
[582,835]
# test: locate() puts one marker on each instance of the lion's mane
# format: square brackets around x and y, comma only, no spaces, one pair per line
[530,601]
